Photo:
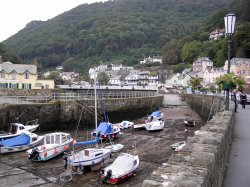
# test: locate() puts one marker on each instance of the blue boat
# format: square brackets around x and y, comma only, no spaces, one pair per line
[20,143]
[157,115]
[106,130]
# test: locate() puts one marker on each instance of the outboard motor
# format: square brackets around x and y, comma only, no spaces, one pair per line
[34,155]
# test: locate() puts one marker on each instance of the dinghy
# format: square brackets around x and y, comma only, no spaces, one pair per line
[155,125]
[54,145]
[189,122]
[114,147]
[18,128]
[178,146]
[21,142]
[122,168]
[125,124]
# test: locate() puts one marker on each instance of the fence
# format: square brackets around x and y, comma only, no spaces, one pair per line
[71,97]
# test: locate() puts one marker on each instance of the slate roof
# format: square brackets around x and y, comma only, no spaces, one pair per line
[8,67]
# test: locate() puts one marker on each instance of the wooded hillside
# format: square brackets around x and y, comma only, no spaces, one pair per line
[115,31]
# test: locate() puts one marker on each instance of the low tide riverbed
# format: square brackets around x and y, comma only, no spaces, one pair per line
[152,147]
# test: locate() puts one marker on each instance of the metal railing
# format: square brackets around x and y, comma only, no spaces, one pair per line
[72,97]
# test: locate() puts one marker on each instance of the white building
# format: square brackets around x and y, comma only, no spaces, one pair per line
[202,63]
[217,34]
[211,73]
[154,59]
[178,80]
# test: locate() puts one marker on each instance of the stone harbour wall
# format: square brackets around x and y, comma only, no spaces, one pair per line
[203,160]
[59,115]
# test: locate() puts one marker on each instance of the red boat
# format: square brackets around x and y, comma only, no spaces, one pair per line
[122,168]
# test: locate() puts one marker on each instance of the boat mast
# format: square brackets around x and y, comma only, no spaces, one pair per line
[95,99]
[95,75]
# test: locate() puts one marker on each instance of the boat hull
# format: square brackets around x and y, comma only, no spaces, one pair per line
[80,159]
[155,125]
[51,148]
[47,154]
[115,173]
[4,150]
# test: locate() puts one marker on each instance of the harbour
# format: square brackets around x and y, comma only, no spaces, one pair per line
[153,149]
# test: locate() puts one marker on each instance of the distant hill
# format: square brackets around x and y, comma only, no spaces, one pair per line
[119,30]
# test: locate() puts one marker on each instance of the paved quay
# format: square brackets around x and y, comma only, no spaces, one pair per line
[238,172]
[14,177]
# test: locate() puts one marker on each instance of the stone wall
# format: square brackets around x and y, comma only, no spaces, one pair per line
[66,114]
[203,160]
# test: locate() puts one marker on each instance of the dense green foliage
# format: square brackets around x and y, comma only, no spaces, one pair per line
[191,47]
[102,78]
[124,30]
[8,55]
[195,83]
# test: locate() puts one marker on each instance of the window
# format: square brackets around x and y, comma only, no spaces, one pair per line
[2,74]
[14,85]
[26,86]
[64,139]
[47,139]
[27,75]
[57,139]
[14,75]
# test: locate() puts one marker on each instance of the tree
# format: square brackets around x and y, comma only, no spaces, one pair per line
[195,82]
[56,77]
[102,78]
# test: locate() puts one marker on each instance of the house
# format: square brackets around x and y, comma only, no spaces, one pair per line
[240,67]
[217,34]
[154,59]
[69,76]
[202,63]
[211,73]
[178,80]
[22,76]
[116,67]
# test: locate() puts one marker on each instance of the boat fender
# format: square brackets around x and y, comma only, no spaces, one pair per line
[45,154]
[66,147]
[55,151]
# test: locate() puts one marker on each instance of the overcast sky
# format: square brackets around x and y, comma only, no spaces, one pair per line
[15,14]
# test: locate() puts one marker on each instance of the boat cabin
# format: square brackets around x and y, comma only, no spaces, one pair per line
[56,138]
[16,127]
[93,153]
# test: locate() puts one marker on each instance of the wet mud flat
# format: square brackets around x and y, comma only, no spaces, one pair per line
[153,149]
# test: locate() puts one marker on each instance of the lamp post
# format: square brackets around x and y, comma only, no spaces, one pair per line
[229,30]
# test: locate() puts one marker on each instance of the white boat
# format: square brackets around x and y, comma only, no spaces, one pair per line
[178,146]
[115,147]
[90,156]
[155,125]
[54,144]
[18,128]
[122,168]
[21,142]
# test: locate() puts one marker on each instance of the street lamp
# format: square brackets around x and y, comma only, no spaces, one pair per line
[229,30]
